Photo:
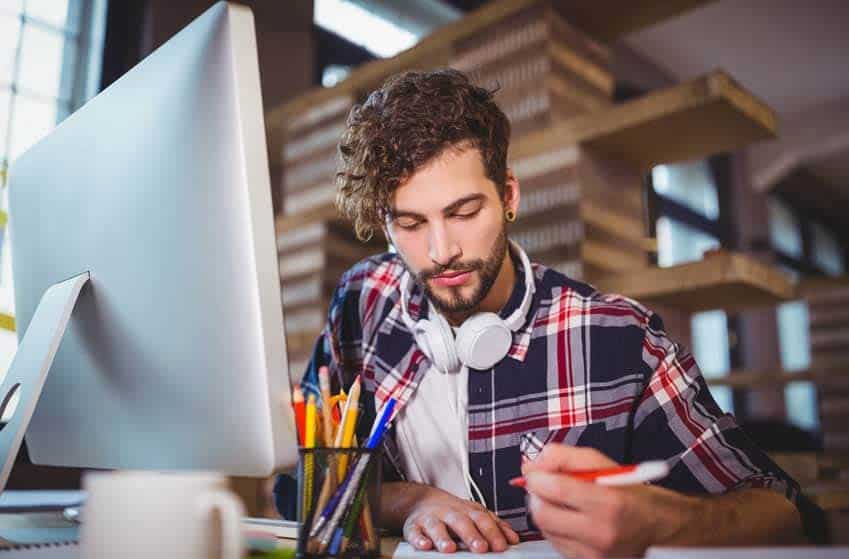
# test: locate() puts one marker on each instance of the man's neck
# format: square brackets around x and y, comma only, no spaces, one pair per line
[498,294]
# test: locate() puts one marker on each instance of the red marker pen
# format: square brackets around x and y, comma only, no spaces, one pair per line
[617,475]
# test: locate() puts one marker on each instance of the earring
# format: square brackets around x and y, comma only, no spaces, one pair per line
[510,216]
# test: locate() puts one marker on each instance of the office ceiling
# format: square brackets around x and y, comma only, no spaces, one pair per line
[789,53]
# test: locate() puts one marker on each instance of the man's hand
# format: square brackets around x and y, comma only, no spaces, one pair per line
[430,516]
[589,520]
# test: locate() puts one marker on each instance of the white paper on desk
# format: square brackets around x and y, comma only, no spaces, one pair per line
[808,552]
[537,549]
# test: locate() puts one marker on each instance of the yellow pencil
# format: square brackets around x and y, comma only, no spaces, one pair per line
[349,422]
[309,442]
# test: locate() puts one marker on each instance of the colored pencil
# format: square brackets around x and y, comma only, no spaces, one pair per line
[300,412]
[345,435]
[618,475]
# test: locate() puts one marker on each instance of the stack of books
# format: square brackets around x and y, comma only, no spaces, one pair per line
[313,254]
[546,69]
[309,155]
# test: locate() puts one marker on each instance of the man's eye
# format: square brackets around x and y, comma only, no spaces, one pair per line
[467,215]
[408,224]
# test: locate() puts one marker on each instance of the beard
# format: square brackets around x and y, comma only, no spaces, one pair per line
[454,302]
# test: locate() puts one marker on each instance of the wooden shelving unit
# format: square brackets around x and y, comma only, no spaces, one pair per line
[707,115]
[608,20]
[721,280]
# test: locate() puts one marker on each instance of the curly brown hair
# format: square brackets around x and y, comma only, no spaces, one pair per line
[411,119]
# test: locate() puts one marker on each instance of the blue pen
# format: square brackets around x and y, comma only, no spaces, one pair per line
[331,505]
[337,541]
[377,433]
[381,423]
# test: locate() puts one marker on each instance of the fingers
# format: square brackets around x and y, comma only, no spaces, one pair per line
[479,530]
[474,533]
[566,491]
[554,521]
[556,457]
[509,532]
[414,535]
[489,527]
[435,529]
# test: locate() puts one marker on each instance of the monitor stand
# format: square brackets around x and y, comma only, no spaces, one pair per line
[21,388]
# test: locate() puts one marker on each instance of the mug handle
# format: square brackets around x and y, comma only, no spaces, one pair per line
[231,511]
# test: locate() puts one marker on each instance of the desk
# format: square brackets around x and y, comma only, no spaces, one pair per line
[387,546]
[36,527]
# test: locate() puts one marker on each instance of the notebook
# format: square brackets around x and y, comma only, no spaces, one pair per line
[537,549]
[42,551]
[281,528]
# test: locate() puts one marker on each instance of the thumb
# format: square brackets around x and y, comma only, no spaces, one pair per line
[556,457]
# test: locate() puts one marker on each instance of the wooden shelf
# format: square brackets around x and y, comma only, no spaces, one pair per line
[721,280]
[811,287]
[608,20]
[616,224]
[604,19]
[704,116]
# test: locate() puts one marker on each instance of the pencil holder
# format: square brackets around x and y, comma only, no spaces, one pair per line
[338,502]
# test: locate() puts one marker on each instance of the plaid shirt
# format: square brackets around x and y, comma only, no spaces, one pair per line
[585,369]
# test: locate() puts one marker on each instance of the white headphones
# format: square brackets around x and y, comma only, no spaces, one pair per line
[484,338]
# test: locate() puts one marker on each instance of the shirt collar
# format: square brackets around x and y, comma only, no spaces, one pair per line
[420,307]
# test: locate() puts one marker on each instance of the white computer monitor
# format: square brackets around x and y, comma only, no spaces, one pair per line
[174,355]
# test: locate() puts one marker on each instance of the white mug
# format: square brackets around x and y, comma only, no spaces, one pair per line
[132,514]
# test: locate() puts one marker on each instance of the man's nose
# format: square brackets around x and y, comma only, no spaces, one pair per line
[443,248]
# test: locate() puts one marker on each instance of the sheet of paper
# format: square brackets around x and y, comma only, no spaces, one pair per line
[539,549]
[747,553]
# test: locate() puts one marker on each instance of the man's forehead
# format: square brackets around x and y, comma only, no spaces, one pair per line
[443,182]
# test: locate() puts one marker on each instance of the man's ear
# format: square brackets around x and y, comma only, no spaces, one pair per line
[511,192]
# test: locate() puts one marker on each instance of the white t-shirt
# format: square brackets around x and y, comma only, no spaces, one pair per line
[432,432]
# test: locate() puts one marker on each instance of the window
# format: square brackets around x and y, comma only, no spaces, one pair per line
[826,251]
[820,255]
[800,397]
[785,234]
[712,352]
[50,52]
[363,27]
[685,206]
[49,61]
[689,184]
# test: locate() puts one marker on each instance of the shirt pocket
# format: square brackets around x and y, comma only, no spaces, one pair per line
[598,435]
[532,443]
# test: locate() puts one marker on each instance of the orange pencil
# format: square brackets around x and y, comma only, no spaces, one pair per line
[300,412]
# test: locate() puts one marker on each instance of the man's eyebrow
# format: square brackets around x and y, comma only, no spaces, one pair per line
[395,214]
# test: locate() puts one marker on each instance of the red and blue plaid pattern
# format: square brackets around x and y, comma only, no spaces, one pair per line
[585,369]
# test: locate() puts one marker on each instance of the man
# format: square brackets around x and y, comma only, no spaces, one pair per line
[501,367]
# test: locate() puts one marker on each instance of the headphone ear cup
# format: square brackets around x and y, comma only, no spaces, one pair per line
[483,341]
[435,338]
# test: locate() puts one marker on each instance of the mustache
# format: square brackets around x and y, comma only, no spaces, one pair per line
[457,267]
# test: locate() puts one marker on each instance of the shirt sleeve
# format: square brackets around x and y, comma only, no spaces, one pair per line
[339,347]
[677,420]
